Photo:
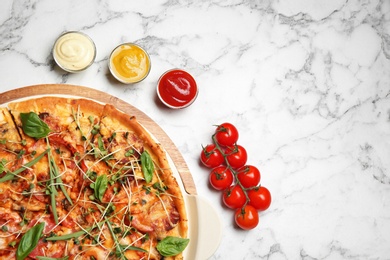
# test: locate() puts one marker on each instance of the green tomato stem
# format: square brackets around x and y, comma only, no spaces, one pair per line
[235,173]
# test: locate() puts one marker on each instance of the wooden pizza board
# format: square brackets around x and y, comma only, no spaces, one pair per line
[146,121]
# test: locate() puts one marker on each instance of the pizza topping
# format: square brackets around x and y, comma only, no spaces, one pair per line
[102,187]
[33,126]
[11,175]
[147,166]
[3,162]
[171,246]
[29,241]
[51,258]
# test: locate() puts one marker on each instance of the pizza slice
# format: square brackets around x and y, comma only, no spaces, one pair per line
[50,125]
[145,189]
[9,136]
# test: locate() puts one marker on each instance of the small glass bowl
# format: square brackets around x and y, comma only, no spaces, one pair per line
[74,51]
[177,89]
[137,58]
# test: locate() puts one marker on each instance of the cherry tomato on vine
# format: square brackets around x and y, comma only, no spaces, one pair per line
[260,198]
[237,156]
[247,217]
[249,176]
[234,197]
[226,134]
[221,178]
[211,157]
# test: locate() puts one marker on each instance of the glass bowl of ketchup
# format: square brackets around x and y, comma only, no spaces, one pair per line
[177,89]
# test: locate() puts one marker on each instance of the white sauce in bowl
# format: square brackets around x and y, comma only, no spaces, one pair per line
[74,51]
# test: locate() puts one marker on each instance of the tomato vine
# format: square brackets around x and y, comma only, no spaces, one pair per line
[228,161]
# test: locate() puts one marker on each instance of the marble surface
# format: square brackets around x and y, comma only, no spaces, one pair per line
[307,83]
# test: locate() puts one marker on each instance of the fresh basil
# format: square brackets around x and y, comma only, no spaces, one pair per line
[100,186]
[29,241]
[52,258]
[147,166]
[171,246]
[33,126]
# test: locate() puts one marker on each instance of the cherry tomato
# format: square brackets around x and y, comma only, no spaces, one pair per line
[247,218]
[249,176]
[260,198]
[226,134]
[237,156]
[234,197]
[211,157]
[221,178]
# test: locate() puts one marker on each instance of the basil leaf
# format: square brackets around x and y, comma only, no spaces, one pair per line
[147,166]
[29,241]
[100,186]
[171,246]
[52,258]
[33,126]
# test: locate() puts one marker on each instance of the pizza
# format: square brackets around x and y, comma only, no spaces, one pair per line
[83,180]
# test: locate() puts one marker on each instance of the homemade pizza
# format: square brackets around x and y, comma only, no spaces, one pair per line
[83,180]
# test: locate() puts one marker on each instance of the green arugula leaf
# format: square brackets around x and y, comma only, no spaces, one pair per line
[101,144]
[147,166]
[33,126]
[2,165]
[133,248]
[11,175]
[29,241]
[52,258]
[69,236]
[78,233]
[171,246]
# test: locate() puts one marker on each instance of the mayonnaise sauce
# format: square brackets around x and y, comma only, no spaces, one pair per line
[74,51]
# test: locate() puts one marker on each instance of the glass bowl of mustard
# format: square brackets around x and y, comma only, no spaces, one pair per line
[74,51]
[129,63]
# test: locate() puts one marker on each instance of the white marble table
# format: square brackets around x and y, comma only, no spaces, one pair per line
[307,83]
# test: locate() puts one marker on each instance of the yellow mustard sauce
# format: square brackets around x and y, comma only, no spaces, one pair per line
[129,63]
[74,51]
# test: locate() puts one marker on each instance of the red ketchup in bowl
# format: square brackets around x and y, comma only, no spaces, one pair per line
[177,89]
